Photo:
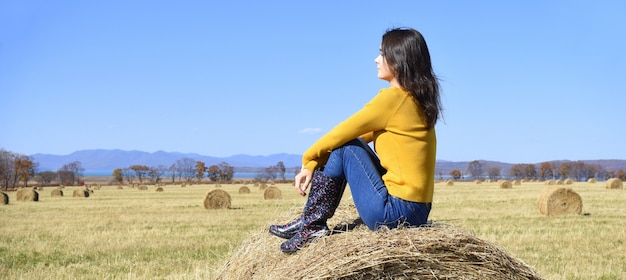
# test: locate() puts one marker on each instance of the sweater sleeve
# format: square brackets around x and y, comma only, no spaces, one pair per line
[372,117]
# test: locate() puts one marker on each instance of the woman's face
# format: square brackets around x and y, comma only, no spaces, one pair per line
[384,72]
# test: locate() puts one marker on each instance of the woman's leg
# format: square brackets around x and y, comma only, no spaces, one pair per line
[324,196]
[358,164]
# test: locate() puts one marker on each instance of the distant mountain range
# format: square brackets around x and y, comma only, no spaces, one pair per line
[111,159]
[107,160]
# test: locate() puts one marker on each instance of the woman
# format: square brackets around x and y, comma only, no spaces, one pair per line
[395,185]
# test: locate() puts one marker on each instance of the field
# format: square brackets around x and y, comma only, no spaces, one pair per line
[135,234]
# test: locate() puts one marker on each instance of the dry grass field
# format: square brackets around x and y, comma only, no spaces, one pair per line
[144,234]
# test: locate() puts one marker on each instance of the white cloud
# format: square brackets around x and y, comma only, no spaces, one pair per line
[310,130]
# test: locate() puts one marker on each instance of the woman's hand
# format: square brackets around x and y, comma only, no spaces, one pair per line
[302,180]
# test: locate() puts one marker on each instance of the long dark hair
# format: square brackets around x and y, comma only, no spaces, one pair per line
[406,53]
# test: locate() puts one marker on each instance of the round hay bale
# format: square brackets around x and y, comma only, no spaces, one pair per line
[614,183]
[438,251]
[217,199]
[506,184]
[159,189]
[568,181]
[142,187]
[5,198]
[449,183]
[56,192]
[262,186]
[244,190]
[477,182]
[559,201]
[559,182]
[27,195]
[591,180]
[120,187]
[517,182]
[19,194]
[80,193]
[272,193]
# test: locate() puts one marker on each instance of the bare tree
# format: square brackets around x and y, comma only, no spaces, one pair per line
[226,171]
[128,174]
[173,172]
[156,172]
[475,169]
[547,170]
[46,177]
[141,171]
[77,170]
[281,170]
[271,172]
[494,172]
[7,174]
[186,168]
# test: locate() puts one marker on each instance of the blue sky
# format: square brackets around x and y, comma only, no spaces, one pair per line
[522,81]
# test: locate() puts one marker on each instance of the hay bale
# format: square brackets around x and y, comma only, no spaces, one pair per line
[568,181]
[517,182]
[244,190]
[120,187]
[559,201]
[550,182]
[27,195]
[438,251]
[19,194]
[591,180]
[272,193]
[217,199]
[506,184]
[80,193]
[159,189]
[449,183]
[5,198]
[142,187]
[614,183]
[56,192]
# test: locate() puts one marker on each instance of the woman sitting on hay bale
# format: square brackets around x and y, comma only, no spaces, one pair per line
[395,185]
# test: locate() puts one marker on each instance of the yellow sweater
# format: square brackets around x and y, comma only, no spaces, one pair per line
[406,148]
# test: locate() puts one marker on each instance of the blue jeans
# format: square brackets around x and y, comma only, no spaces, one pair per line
[357,163]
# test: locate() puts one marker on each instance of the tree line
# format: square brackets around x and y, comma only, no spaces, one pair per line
[183,170]
[18,170]
[578,171]
[190,170]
